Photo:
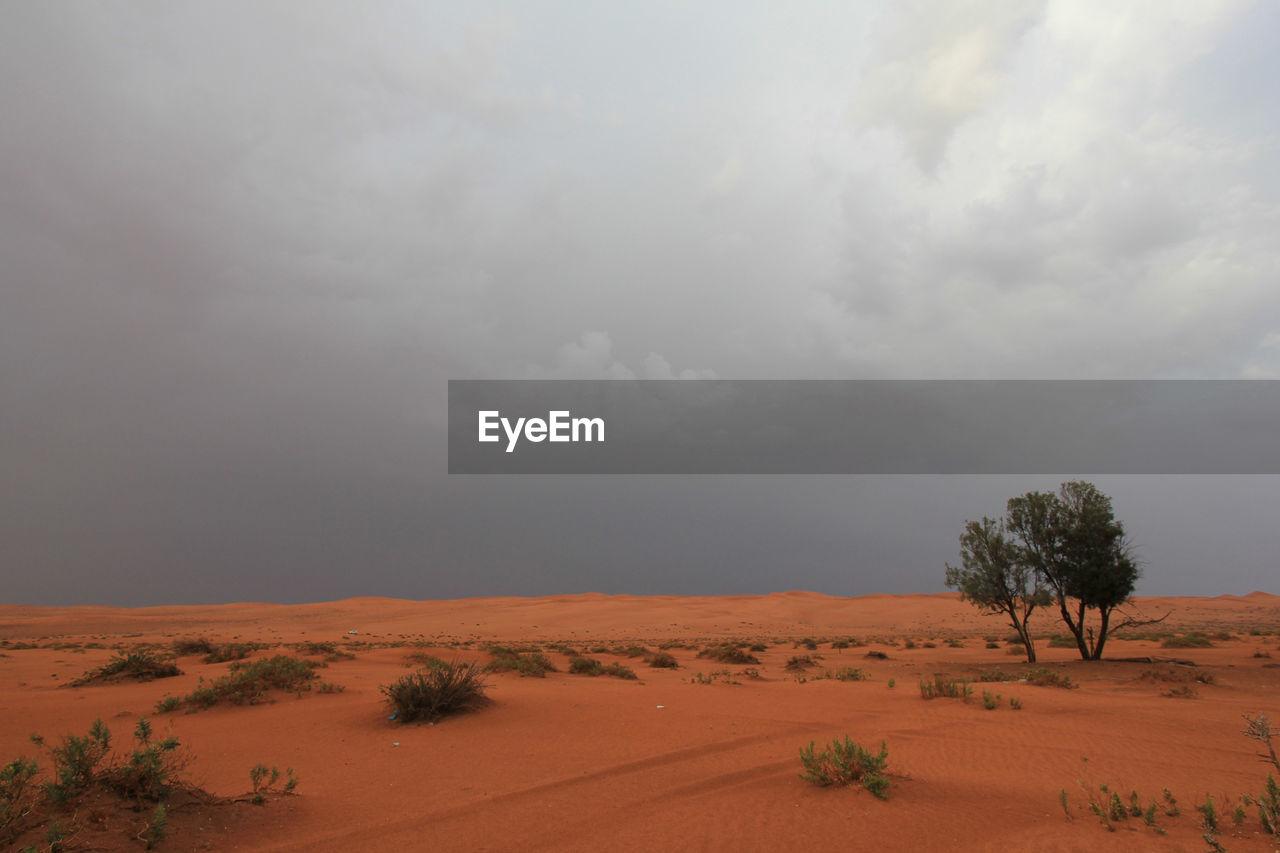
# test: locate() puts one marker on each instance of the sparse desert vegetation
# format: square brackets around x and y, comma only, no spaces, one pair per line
[723,720]
[90,789]
[248,683]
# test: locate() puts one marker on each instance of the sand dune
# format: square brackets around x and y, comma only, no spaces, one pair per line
[576,763]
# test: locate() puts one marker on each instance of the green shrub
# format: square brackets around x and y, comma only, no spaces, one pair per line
[424,660]
[157,828]
[248,683]
[585,666]
[726,653]
[593,667]
[990,675]
[948,688]
[17,796]
[800,663]
[849,673]
[1193,640]
[533,664]
[662,660]
[231,652]
[990,701]
[75,761]
[140,665]
[617,670]
[264,779]
[846,762]
[1042,677]
[192,646]
[327,649]
[151,772]
[1268,803]
[432,694]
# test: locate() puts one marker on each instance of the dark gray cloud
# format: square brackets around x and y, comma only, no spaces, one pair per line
[245,245]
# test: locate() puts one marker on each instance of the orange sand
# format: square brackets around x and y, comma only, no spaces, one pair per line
[576,763]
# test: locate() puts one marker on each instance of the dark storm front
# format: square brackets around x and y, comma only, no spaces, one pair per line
[864,427]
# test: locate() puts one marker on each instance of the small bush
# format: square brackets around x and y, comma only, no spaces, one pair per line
[946,688]
[1193,640]
[1015,703]
[849,673]
[157,828]
[424,660]
[17,796]
[192,646]
[585,666]
[991,675]
[151,773]
[843,763]
[531,664]
[264,780]
[1042,677]
[726,653]
[990,701]
[800,663]
[327,649]
[232,651]
[617,670]
[248,684]
[432,694]
[1268,803]
[593,667]
[75,761]
[140,665]
[662,660]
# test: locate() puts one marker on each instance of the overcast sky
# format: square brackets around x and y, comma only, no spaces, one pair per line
[243,246]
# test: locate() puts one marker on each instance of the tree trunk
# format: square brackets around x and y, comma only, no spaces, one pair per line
[1076,628]
[1102,634]
[1028,643]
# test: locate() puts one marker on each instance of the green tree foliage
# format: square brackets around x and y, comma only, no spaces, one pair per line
[1078,549]
[1065,547]
[994,577]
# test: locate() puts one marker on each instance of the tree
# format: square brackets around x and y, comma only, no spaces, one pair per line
[1076,547]
[994,577]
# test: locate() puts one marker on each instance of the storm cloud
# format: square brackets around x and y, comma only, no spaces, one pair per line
[245,245]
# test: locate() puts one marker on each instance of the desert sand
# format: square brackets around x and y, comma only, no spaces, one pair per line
[667,762]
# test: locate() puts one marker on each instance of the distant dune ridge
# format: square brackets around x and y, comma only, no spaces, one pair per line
[597,614]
